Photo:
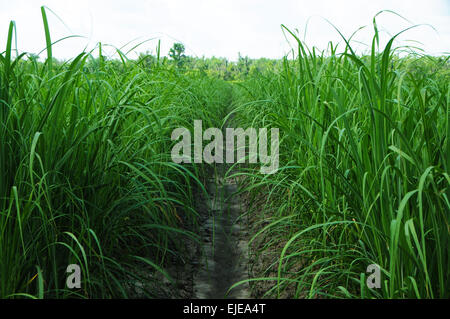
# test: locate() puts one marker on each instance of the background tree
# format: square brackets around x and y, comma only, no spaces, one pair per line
[177,53]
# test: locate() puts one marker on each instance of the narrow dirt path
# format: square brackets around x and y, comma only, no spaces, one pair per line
[208,269]
[224,261]
[225,257]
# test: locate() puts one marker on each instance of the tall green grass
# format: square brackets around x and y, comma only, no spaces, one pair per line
[85,170]
[86,175]
[364,172]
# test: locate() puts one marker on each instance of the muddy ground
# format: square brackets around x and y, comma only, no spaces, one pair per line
[220,259]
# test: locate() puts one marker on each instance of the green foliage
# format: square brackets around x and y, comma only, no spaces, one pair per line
[364,172]
[86,175]
[177,54]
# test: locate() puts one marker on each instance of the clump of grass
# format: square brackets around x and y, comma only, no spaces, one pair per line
[364,177]
[85,170]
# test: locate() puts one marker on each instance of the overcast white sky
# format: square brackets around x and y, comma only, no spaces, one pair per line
[218,27]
